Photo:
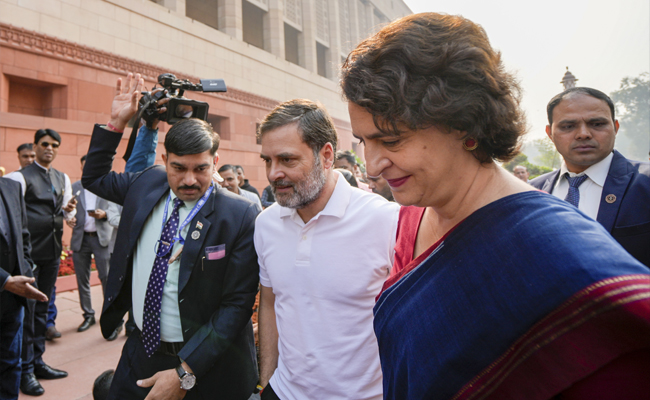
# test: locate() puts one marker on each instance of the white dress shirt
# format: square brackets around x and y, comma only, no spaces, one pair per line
[143,258]
[67,190]
[591,189]
[90,199]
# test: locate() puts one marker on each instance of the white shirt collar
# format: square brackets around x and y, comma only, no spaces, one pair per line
[336,205]
[597,172]
[36,162]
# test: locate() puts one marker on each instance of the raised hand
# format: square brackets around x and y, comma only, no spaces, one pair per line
[125,103]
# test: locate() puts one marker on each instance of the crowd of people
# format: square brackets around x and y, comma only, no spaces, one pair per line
[436,275]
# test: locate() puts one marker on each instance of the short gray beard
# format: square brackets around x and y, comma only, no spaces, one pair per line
[305,191]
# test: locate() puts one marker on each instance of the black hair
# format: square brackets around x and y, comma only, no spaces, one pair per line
[102,385]
[228,167]
[436,70]
[557,99]
[83,158]
[191,136]
[348,156]
[315,125]
[47,132]
[239,167]
[25,146]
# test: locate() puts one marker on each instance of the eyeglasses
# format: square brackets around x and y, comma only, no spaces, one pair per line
[45,145]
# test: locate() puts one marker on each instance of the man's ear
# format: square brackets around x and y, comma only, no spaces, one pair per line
[616,126]
[327,152]
[164,157]
[548,132]
[216,160]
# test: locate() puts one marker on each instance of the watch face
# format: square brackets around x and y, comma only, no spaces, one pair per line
[188,381]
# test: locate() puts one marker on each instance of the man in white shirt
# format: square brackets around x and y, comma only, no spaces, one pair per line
[48,199]
[594,177]
[231,181]
[317,288]
[26,156]
[91,235]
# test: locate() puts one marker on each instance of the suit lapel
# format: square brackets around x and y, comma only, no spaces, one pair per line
[81,203]
[550,182]
[618,179]
[193,247]
[4,224]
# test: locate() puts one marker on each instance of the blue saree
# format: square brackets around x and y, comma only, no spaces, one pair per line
[524,297]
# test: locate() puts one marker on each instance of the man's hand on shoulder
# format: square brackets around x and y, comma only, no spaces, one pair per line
[166,386]
[21,285]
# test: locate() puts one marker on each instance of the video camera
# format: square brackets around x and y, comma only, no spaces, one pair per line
[178,106]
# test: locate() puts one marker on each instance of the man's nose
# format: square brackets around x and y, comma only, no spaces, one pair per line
[274,173]
[583,132]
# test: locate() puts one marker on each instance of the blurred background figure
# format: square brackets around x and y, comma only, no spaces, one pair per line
[346,160]
[231,182]
[379,185]
[521,172]
[243,182]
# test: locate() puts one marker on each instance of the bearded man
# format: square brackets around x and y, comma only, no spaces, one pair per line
[317,288]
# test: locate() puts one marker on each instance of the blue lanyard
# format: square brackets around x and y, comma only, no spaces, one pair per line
[164,249]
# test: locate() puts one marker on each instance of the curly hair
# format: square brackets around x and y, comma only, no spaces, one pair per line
[439,70]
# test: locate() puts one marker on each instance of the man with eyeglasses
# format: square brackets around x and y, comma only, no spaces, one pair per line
[48,199]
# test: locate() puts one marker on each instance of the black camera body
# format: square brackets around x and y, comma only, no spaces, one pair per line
[178,107]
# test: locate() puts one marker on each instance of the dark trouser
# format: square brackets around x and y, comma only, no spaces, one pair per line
[134,365]
[82,262]
[36,316]
[11,334]
[268,393]
[51,310]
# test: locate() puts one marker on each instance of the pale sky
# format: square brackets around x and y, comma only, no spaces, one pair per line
[600,41]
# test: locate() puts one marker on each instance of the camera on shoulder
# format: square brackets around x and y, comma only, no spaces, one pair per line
[178,107]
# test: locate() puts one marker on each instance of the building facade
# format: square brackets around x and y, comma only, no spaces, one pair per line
[60,60]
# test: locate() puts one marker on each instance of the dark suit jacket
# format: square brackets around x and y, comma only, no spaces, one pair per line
[627,218]
[104,229]
[17,261]
[215,297]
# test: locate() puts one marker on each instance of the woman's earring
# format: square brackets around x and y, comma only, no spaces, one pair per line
[470,144]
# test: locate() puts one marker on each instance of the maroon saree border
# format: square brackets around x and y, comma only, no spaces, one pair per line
[592,328]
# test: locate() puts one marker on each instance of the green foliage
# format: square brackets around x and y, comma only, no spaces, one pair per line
[632,102]
[533,170]
[548,156]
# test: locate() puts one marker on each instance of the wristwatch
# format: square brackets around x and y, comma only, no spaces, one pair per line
[188,380]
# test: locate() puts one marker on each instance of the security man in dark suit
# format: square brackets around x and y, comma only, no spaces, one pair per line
[594,177]
[16,281]
[184,260]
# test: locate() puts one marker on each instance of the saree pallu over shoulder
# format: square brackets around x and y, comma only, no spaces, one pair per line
[610,317]
[522,299]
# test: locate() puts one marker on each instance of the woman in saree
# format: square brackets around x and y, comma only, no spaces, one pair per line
[499,291]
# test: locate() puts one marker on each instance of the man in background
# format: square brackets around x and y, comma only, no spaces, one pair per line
[91,235]
[594,177]
[48,199]
[231,182]
[243,182]
[379,185]
[346,160]
[16,281]
[521,173]
[26,156]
